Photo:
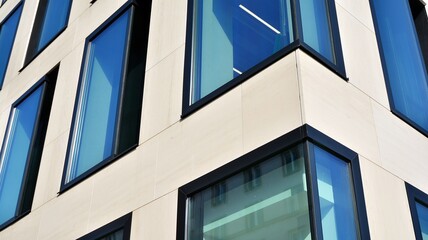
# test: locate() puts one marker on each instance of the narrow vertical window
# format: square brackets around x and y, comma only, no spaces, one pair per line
[22,148]
[321,198]
[7,37]
[108,106]
[51,19]
[233,39]
[403,63]
[418,202]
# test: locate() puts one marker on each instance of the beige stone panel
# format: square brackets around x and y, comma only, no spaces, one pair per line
[66,217]
[50,171]
[337,108]
[24,229]
[162,95]
[7,7]
[77,8]
[156,220]
[92,18]
[65,94]
[167,29]
[403,150]
[361,55]
[271,103]
[387,206]
[125,185]
[360,9]
[215,133]
[202,142]
[174,164]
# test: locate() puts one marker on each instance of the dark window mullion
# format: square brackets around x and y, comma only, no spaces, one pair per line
[312,185]
[334,28]
[297,20]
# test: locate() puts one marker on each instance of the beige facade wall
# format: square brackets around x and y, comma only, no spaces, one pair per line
[173,151]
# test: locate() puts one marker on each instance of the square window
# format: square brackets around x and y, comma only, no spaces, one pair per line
[321,196]
[119,229]
[22,149]
[51,20]
[418,202]
[228,41]
[107,111]
[401,30]
[8,30]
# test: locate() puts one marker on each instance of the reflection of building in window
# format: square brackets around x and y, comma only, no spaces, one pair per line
[289,163]
[252,178]
[218,193]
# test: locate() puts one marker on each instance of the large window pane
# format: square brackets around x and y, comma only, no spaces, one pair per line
[15,153]
[274,207]
[7,37]
[54,21]
[51,19]
[316,27]
[94,134]
[231,36]
[422,211]
[336,197]
[405,69]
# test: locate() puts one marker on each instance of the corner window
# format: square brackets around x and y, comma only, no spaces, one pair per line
[108,106]
[51,19]
[22,149]
[230,40]
[403,62]
[7,37]
[119,229]
[418,202]
[304,191]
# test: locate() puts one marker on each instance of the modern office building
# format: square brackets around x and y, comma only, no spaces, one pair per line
[213,119]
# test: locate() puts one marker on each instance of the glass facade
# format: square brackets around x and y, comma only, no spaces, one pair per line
[276,205]
[231,37]
[96,121]
[404,67]
[7,37]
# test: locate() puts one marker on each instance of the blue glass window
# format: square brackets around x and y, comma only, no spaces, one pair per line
[51,19]
[22,148]
[403,64]
[231,37]
[7,36]
[418,203]
[108,108]
[302,192]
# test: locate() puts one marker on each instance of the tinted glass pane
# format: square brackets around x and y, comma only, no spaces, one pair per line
[118,235]
[316,27]
[98,101]
[15,152]
[336,197]
[267,201]
[54,21]
[231,36]
[402,58]
[423,219]
[7,36]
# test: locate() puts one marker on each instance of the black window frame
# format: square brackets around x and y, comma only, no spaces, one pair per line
[124,223]
[36,143]
[412,4]
[137,40]
[32,51]
[309,137]
[339,69]
[415,195]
